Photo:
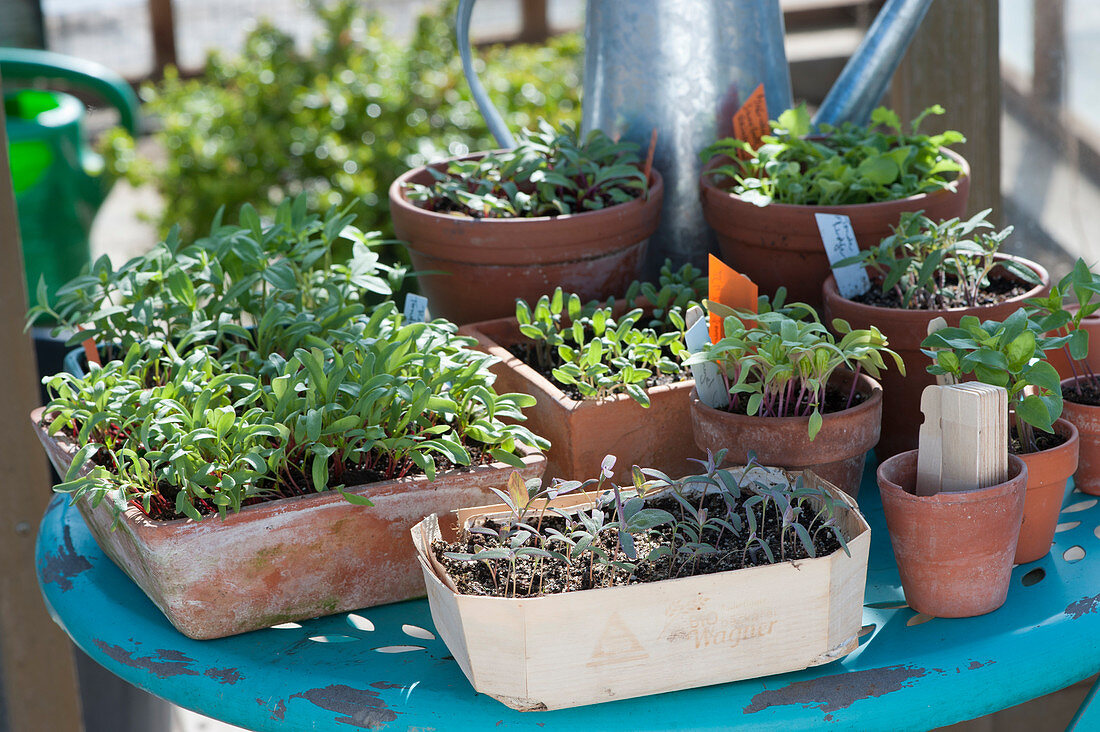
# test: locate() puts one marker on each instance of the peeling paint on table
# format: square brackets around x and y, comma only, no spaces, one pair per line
[1083,606]
[909,672]
[62,566]
[832,693]
[361,708]
[164,663]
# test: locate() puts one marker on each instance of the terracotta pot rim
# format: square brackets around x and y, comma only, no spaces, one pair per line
[1048,470]
[654,193]
[1016,469]
[575,405]
[1069,383]
[513,362]
[1093,319]
[1064,427]
[867,385]
[132,514]
[506,267]
[830,292]
[708,188]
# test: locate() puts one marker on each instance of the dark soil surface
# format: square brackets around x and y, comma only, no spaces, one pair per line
[1045,441]
[998,291]
[533,576]
[526,352]
[1086,392]
[443,205]
[836,400]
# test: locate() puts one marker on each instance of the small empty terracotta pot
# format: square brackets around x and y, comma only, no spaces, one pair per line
[1047,473]
[954,550]
[1086,418]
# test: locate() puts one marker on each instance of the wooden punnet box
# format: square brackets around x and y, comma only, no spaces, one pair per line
[598,645]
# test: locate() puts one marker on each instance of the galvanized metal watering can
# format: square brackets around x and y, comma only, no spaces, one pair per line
[684,67]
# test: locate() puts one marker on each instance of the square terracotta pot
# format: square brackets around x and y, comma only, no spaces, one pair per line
[284,560]
[581,433]
[598,645]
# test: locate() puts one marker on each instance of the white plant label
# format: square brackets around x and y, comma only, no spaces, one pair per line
[840,243]
[416,308]
[711,388]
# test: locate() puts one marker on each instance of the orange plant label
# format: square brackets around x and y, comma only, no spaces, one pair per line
[726,286]
[750,123]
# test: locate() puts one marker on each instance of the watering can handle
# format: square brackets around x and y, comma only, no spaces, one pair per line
[492,117]
[29,63]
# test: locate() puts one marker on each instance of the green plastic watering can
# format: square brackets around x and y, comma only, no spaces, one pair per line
[58,179]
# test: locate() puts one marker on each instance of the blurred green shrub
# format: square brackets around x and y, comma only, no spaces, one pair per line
[340,123]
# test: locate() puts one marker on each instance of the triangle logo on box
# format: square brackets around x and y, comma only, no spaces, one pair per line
[617,645]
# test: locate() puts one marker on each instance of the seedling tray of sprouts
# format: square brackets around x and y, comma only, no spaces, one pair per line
[581,593]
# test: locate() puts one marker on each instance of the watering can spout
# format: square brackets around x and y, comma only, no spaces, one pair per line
[865,77]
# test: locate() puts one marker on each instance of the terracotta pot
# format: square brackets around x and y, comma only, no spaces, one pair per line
[836,453]
[1086,418]
[1059,359]
[1047,473]
[780,245]
[905,329]
[954,550]
[485,264]
[283,560]
[581,433]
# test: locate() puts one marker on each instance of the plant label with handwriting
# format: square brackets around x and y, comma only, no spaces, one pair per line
[750,122]
[840,243]
[416,308]
[708,383]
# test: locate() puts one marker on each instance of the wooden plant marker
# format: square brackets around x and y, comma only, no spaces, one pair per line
[726,286]
[750,122]
[964,438]
[934,325]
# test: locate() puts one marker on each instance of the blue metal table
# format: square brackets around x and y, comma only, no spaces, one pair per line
[384,668]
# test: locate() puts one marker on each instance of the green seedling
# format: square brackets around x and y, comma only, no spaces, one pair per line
[1063,310]
[844,165]
[936,265]
[780,366]
[588,347]
[548,173]
[257,363]
[1007,354]
[600,543]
